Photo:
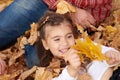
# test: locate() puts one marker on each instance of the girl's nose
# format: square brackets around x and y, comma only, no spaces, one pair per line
[64,42]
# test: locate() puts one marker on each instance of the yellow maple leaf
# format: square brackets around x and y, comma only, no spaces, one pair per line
[110,29]
[89,48]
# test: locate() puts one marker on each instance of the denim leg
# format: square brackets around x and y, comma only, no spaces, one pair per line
[31,56]
[17,17]
[15,20]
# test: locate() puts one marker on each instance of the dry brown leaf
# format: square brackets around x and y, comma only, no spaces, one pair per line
[27,73]
[116,15]
[6,1]
[116,67]
[110,33]
[100,28]
[43,74]
[55,63]
[39,73]
[2,6]
[116,42]
[93,28]
[115,4]
[23,42]
[97,36]
[57,71]
[80,28]
[111,30]
[11,76]
[64,7]
[47,75]
[33,34]
[3,56]
[15,56]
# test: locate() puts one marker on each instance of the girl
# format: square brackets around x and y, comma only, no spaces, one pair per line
[57,35]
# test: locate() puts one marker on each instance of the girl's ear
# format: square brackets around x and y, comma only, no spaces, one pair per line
[45,44]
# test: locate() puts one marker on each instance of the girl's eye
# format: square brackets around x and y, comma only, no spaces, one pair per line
[69,36]
[56,39]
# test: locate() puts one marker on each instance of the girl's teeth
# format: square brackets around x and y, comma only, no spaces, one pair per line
[64,50]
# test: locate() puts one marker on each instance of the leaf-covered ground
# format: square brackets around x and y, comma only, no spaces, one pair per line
[107,33]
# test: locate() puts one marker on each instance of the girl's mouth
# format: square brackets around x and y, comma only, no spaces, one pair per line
[64,50]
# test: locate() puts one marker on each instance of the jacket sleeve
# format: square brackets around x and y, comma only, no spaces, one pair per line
[51,3]
[79,3]
[89,3]
[64,76]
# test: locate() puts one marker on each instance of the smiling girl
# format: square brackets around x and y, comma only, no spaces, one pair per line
[57,35]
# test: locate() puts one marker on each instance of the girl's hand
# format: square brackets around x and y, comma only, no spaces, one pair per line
[73,58]
[82,17]
[2,66]
[114,57]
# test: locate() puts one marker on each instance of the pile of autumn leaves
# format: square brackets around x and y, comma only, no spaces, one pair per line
[108,33]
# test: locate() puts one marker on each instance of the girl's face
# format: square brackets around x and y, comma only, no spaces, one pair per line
[58,39]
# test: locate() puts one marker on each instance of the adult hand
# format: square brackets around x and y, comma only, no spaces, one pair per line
[82,17]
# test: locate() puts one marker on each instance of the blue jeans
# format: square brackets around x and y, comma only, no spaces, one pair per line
[15,20]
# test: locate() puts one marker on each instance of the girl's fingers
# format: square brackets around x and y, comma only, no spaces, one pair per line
[114,57]
[70,55]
